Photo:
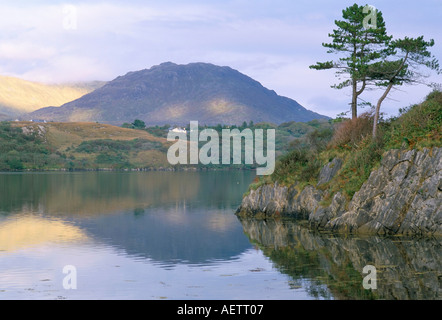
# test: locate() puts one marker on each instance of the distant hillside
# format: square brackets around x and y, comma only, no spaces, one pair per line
[29,145]
[176,94]
[70,146]
[19,96]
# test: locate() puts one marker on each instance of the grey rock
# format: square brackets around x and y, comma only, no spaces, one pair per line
[403,196]
[329,171]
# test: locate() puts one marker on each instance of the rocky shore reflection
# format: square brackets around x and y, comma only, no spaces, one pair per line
[406,268]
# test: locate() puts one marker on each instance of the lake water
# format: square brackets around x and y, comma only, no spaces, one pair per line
[174,235]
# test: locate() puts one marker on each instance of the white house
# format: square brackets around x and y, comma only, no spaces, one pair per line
[179,130]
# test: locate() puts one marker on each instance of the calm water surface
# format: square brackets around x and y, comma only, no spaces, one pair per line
[174,235]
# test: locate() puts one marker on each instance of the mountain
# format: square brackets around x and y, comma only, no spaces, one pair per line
[19,96]
[176,94]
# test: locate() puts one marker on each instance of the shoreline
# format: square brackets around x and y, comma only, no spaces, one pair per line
[401,196]
[163,169]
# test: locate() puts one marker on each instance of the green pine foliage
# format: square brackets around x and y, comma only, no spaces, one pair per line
[357,47]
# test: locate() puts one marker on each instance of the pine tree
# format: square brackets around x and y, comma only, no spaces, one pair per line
[361,44]
[411,54]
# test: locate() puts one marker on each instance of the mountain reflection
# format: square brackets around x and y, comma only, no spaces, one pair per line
[26,231]
[170,235]
[169,217]
[406,268]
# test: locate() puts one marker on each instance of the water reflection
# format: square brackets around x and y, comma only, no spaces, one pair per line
[175,235]
[165,216]
[92,193]
[26,231]
[140,235]
[406,268]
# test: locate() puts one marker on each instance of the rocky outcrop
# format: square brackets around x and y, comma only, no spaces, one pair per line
[278,200]
[403,196]
[329,171]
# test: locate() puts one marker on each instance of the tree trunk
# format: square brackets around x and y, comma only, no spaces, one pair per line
[354,100]
[390,85]
[378,108]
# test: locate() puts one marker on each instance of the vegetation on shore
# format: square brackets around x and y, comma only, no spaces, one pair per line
[302,148]
[93,146]
[418,126]
[367,57]
[77,146]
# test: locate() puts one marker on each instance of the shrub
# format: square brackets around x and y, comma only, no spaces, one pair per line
[113,160]
[108,145]
[15,164]
[318,139]
[296,164]
[20,151]
[139,124]
[349,133]
[358,166]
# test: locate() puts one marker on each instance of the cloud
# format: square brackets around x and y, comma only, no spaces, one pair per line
[67,68]
[17,50]
[273,42]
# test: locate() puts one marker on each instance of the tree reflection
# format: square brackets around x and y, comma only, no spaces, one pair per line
[331,266]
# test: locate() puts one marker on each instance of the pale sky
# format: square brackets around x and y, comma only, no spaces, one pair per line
[273,42]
